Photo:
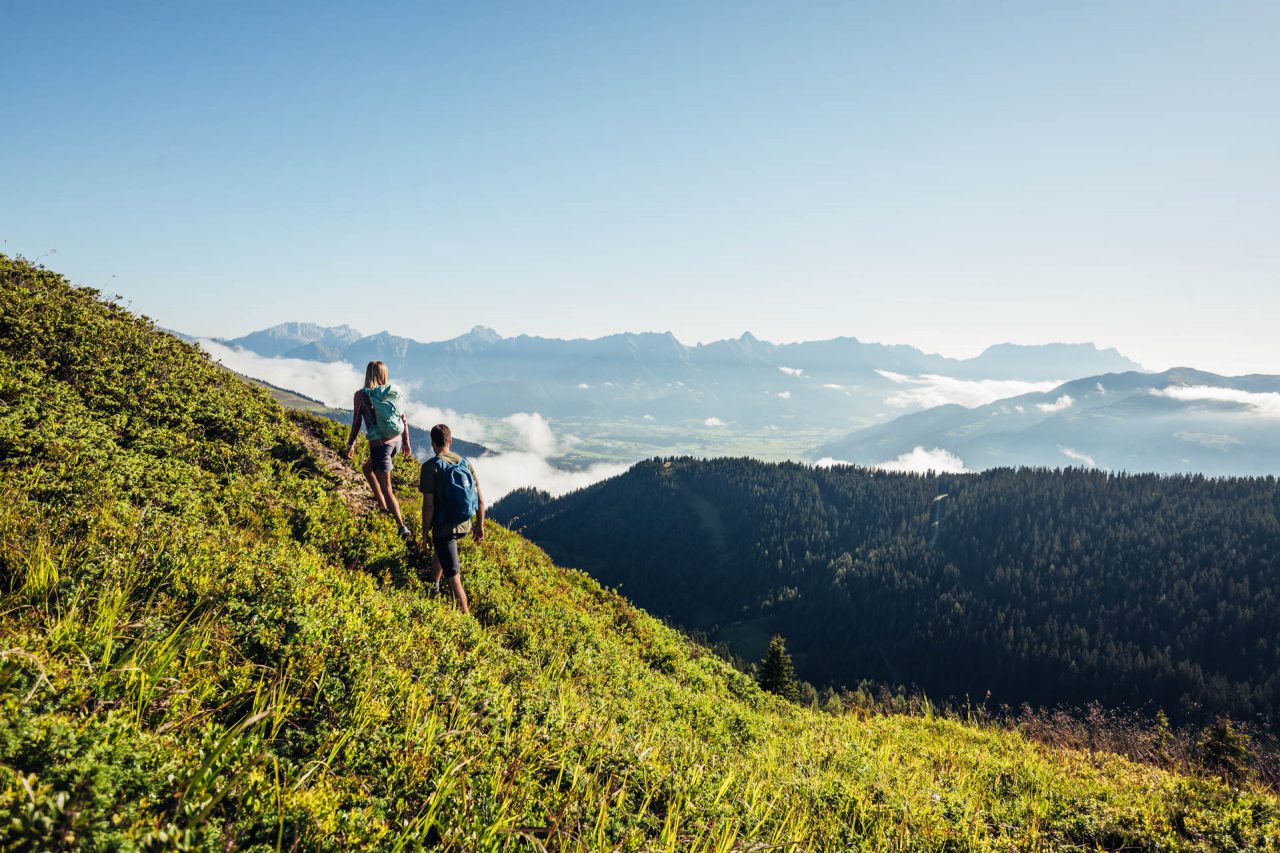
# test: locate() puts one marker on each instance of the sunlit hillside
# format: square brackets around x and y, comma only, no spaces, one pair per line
[208,641]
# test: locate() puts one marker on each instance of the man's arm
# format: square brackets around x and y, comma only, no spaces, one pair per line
[428,510]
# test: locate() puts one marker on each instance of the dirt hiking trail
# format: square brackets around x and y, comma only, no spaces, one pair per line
[351,485]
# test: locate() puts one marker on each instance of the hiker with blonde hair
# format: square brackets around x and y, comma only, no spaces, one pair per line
[377,407]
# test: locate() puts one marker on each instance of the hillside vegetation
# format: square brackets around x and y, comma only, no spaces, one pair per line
[1041,586]
[206,643]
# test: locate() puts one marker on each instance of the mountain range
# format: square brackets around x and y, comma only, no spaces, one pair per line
[836,383]
[629,395]
[1177,421]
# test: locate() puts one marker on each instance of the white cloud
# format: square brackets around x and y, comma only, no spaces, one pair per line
[1020,409]
[792,371]
[1061,404]
[582,386]
[1213,441]
[463,426]
[929,390]
[504,472]
[1264,404]
[714,422]
[833,386]
[830,462]
[1101,390]
[533,433]
[920,461]
[333,383]
[786,395]
[1083,458]
[529,463]
[648,417]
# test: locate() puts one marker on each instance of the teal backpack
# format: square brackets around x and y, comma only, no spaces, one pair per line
[460,497]
[388,418]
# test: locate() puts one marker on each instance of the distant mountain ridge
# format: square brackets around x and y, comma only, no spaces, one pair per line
[284,338]
[836,383]
[1008,361]
[1179,421]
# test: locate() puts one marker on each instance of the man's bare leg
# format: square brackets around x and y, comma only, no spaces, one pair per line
[459,594]
[455,583]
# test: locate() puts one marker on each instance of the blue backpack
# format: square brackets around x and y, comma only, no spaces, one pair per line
[460,497]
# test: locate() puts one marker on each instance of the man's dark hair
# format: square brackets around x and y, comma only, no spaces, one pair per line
[440,435]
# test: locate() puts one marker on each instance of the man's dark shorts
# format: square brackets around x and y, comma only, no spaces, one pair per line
[446,546]
[382,454]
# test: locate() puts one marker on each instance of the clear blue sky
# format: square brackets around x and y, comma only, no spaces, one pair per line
[948,175]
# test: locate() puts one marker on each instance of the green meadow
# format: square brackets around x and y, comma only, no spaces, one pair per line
[208,642]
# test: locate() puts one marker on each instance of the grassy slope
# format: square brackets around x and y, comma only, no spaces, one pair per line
[200,646]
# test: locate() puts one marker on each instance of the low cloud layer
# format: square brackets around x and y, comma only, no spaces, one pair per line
[1076,456]
[1211,440]
[1263,404]
[714,422]
[920,461]
[928,390]
[502,473]
[1061,404]
[528,460]
[533,434]
[533,441]
[332,383]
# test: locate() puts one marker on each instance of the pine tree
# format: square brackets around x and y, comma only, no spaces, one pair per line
[777,673]
[1225,750]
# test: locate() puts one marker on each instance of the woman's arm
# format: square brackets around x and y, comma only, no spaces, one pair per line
[405,446]
[355,425]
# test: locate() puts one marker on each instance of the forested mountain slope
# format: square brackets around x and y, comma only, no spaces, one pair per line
[1041,586]
[206,643]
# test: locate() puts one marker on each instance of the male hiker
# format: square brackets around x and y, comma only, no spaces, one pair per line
[450,497]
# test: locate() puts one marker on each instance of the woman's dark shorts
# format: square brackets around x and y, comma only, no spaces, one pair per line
[383,453]
[447,553]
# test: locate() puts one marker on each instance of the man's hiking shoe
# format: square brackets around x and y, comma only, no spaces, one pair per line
[406,532]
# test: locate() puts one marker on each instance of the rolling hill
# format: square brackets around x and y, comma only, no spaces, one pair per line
[209,642]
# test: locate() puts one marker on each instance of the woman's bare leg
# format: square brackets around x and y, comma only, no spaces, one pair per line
[390,502]
[367,468]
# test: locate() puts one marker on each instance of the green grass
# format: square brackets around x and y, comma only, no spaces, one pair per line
[202,648]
